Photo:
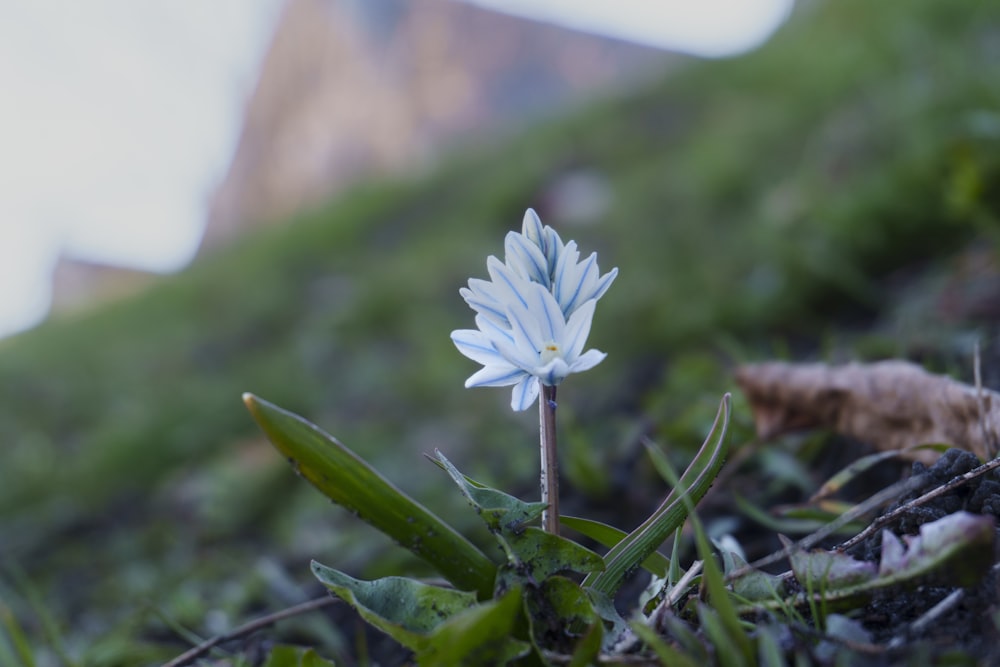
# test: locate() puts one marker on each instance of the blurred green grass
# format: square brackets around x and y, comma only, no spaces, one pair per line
[755,199]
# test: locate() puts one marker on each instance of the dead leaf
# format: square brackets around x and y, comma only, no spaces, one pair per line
[889,404]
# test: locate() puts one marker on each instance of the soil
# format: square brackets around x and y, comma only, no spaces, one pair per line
[904,622]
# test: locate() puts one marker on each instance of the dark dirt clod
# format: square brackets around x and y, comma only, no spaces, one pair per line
[980,495]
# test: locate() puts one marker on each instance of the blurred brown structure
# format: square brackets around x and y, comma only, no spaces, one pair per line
[78,284]
[352,88]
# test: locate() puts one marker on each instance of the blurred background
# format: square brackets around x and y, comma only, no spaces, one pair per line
[139,135]
[202,199]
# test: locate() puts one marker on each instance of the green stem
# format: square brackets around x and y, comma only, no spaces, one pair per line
[550,462]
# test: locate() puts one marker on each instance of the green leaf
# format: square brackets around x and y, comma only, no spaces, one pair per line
[961,536]
[615,626]
[769,653]
[720,620]
[537,555]
[500,511]
[608,536]
[532,553]
[480,635]
[588,648]
[754,585]
[729,629]
[717,630]
[667,654]
[626,556]
[349,481]
[824,571]
[688,640]
[562,618]
[291,656]
[405,609]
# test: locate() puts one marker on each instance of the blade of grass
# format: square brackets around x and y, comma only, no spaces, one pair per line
[722,605]
[841,479]
[18,638]
[667,654]
[625,556]
[50,627]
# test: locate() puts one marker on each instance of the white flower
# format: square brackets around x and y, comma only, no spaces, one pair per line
[533,314]
[533,342]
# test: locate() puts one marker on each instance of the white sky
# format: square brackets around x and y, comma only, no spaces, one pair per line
[117,117]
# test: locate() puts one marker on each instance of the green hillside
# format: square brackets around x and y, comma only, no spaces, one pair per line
[759,204]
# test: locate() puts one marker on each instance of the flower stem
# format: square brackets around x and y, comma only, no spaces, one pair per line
[550,462]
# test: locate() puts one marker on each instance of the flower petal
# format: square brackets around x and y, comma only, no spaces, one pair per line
[526,259]
[550,318]
[496,332]
[553,372]
[577,330]
[522,356]
[525,326]
[604,283]
[476,346]
[507,286]
[575,281]
[531,228]
[481,300]
[587,360]
[524,394]
[495,375]
[552,248]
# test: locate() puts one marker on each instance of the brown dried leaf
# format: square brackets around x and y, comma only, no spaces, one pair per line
[889,404]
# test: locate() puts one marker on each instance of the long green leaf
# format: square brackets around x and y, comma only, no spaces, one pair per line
[609,536]
[625,556]
[719,618]
[349,481]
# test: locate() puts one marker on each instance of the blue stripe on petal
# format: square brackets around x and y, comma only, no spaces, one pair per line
[578,328]
[552,248]
[604,283]
[531,228]
[524,327]
[528,257]
[553,320]
[504,279]
[476,346]
[495,330]
[495,376]
[489,308]
[580,280]
[524,394]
